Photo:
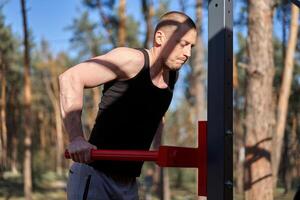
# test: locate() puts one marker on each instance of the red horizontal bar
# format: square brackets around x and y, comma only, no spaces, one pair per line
[123,155]
[178,157]
[166,156]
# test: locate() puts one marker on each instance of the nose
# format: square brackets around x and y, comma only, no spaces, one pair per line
[188,51]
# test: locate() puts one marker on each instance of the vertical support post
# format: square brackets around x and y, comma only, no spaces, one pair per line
[219,137]
[202,164]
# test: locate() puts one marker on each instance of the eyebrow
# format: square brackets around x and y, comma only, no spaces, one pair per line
[187,42]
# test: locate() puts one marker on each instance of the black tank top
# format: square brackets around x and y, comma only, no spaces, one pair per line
[129,114]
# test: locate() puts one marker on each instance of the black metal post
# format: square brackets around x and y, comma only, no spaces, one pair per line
[220,146]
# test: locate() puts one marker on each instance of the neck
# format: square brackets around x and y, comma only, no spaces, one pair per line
[159,72]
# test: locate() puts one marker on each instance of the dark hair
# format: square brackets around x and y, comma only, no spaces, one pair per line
[174,18]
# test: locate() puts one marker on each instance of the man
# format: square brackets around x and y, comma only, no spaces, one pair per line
[138,88]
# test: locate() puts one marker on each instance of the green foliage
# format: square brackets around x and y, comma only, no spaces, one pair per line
[279,62]
[163,7]
[132,33]
[8,43]
[241,10]
[108,15]
[86,36]
[241,57]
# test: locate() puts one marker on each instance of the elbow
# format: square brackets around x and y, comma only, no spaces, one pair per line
[63,77]
[70,81]
[70,93]
[67,77]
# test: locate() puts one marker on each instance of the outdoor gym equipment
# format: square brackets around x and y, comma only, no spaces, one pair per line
[166,156]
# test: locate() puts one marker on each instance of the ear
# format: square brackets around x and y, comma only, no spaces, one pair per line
[159,37]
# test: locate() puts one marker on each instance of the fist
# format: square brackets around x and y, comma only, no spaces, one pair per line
[80,150]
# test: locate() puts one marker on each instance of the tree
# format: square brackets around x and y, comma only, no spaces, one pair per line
[239,60]
[148,11]
[107,17]
[50,68]
[260,117]
[27,109]
[7,48]
[86,36]
[196,77]
[122,23]
[285,89]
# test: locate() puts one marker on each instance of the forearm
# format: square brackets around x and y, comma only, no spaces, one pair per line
[71,102]
[73,124]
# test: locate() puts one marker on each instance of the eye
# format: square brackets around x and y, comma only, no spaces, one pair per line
[182,43]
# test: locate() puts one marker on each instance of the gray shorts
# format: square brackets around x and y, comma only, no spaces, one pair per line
[85,182]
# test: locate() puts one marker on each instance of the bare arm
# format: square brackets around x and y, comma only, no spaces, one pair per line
[94,72]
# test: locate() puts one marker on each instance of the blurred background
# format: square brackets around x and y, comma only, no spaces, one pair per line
[41,39]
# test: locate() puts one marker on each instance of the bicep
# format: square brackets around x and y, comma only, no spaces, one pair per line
[101,69]
[88,74]
[94,72]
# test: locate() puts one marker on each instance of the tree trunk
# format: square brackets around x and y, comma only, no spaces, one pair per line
[60,140]
[122,23]
[197,76]
[42,130]
[235,76]
[14,109]
[285,90]
[284,22]
[167,194]
[27,110]
[105,22]
[3,159]
[58,122]
[148,11]
[53,95]
[259,102]
[161,176]
[292,151]
[239,154]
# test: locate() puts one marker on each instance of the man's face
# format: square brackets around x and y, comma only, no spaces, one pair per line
[178,47]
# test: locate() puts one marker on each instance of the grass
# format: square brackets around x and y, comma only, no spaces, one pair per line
[52,187]
[49,186]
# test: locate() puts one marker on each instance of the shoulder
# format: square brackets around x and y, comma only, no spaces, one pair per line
[128,60]
[126,55]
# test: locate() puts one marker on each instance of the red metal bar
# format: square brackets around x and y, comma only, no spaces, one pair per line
[167,156]
[177,157]
[124,155]
[202,150]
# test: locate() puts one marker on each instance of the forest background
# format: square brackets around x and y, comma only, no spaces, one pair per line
[41,39]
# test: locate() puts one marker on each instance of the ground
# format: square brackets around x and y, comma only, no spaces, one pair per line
[51,187]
